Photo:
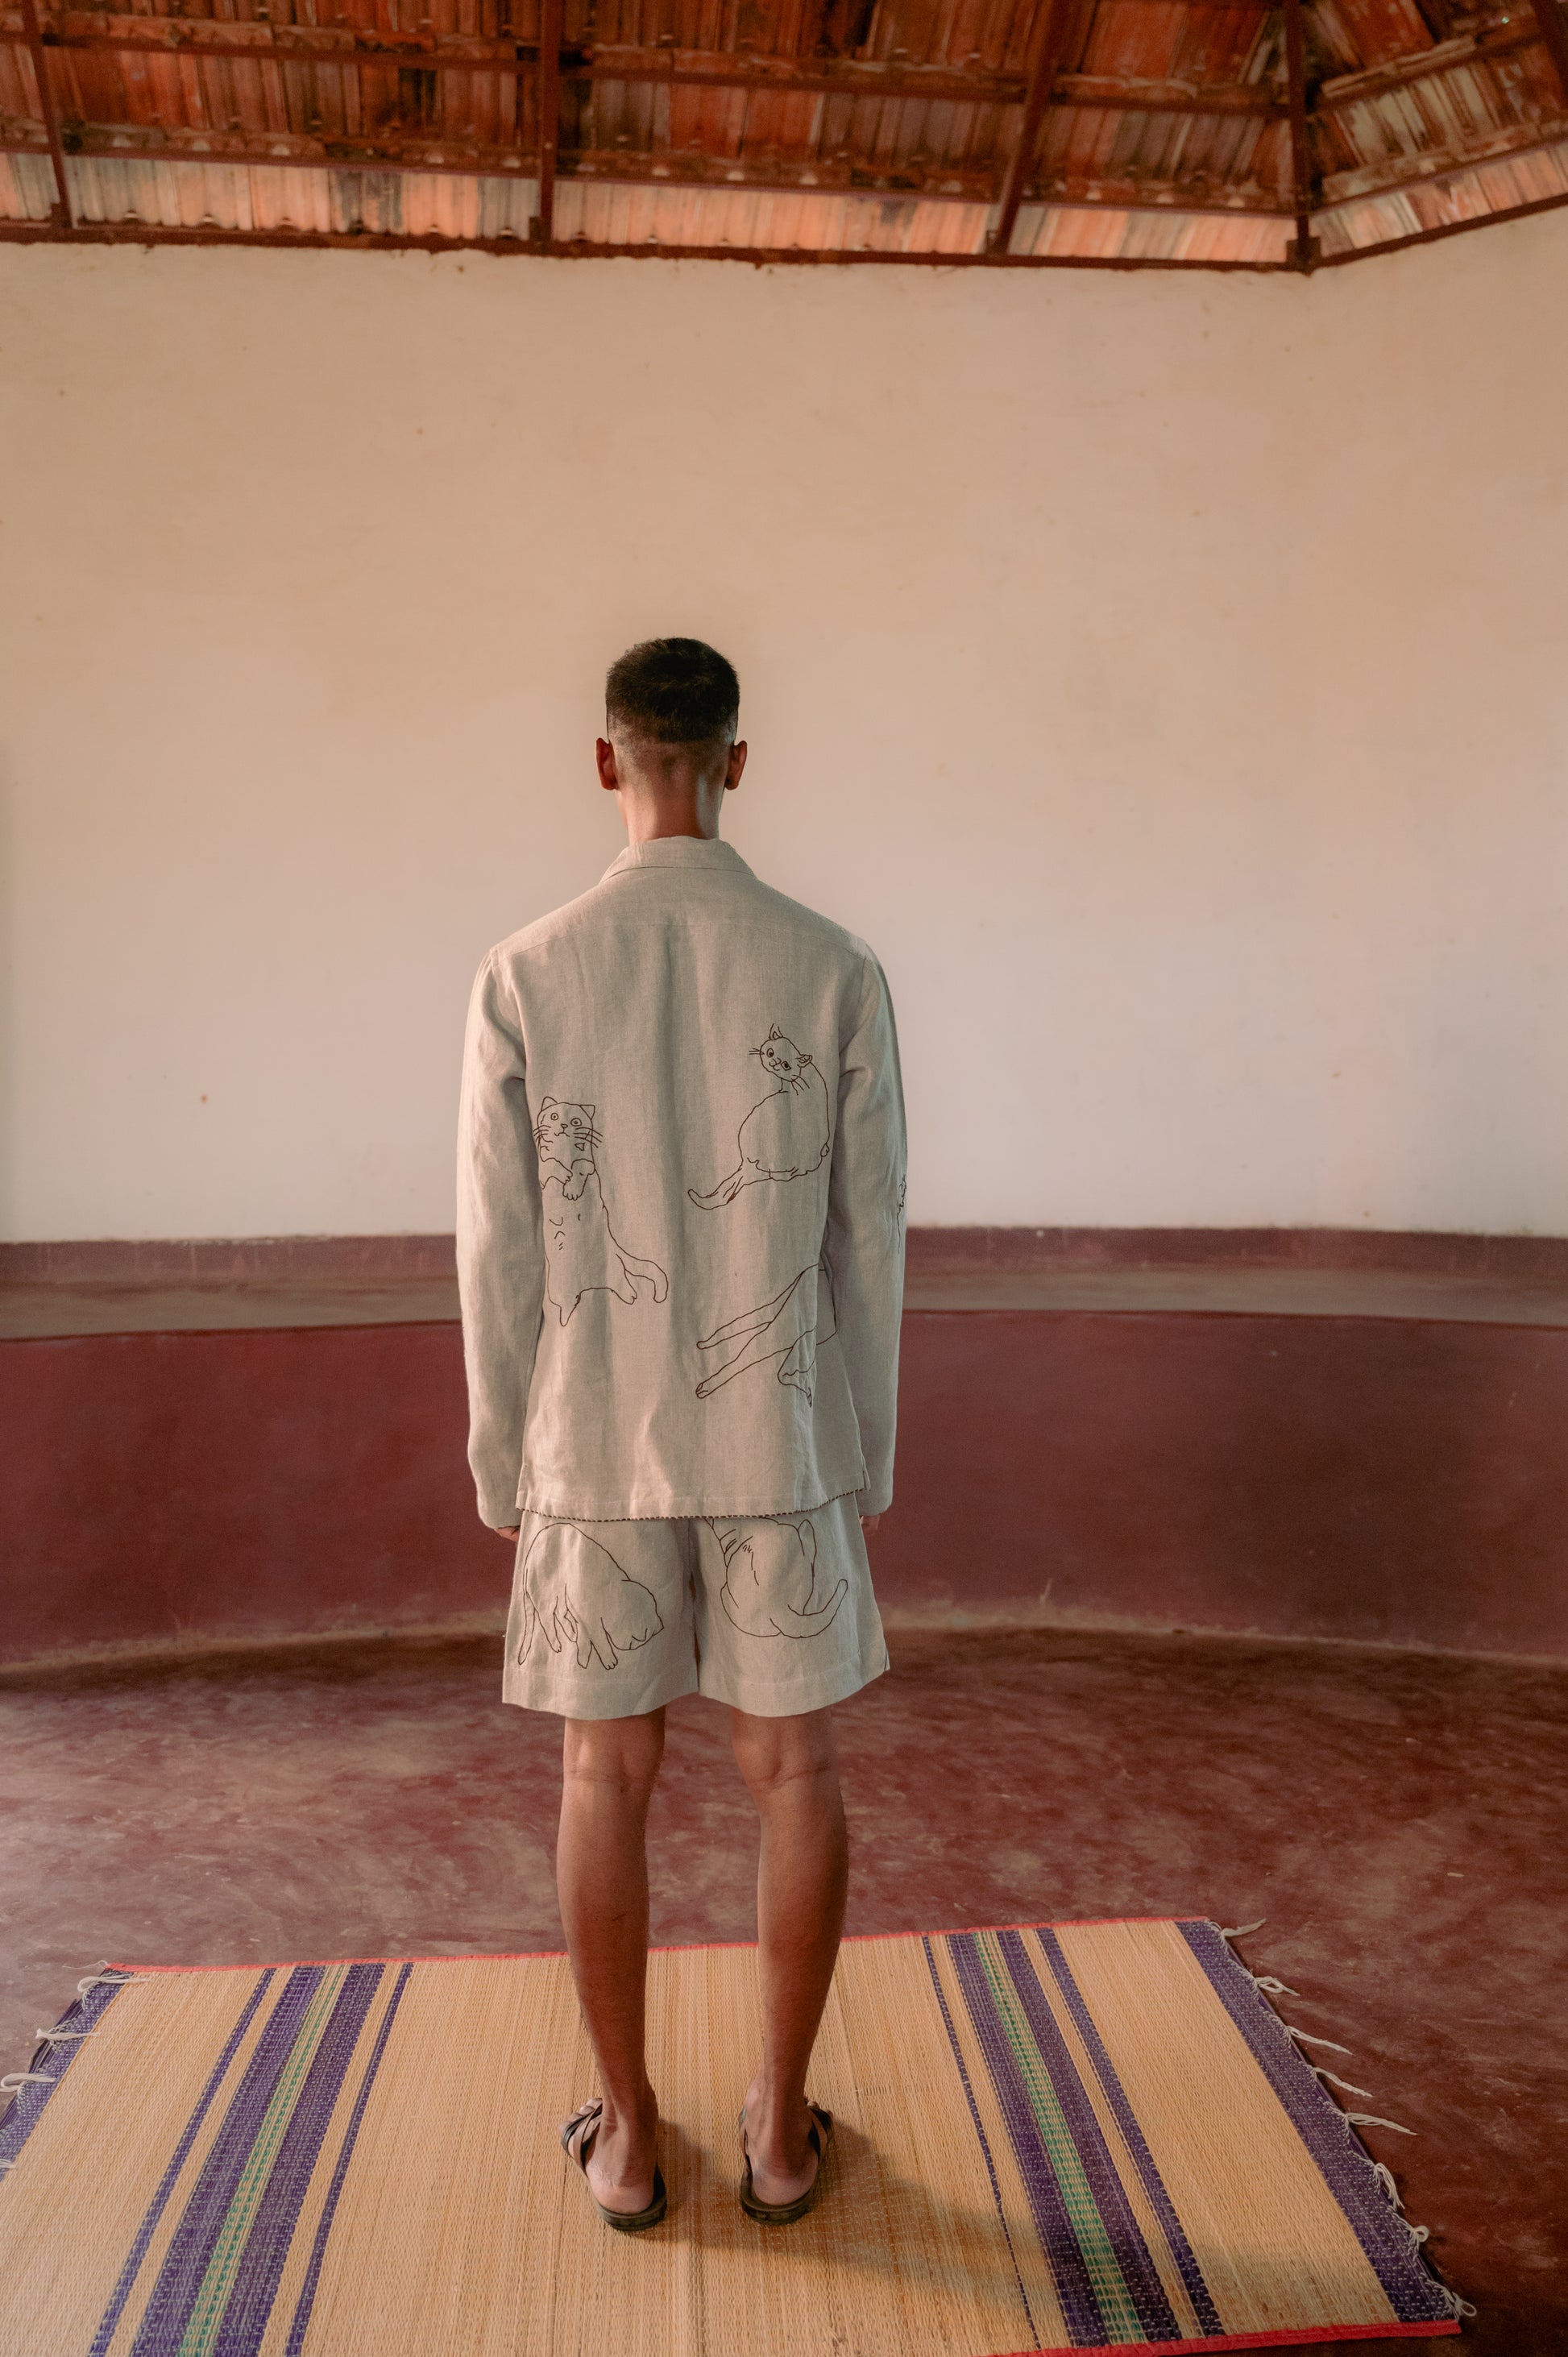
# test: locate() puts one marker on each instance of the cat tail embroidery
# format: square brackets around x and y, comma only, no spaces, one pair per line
[786,1135]
[771,1577]
[581,1251]
[785,1329]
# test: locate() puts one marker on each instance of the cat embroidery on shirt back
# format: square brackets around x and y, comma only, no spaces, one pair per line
[786,1329]
[785,1136]
[771,1577]
[581,1254]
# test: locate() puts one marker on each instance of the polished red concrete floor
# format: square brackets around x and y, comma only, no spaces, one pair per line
[1396,1818]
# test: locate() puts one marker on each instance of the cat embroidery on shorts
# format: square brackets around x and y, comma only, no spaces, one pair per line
[577,1595]
[786,1329]
[771,1577]
[785,1136]
[581,1254]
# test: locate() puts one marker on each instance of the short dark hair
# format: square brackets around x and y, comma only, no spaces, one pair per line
[677,691]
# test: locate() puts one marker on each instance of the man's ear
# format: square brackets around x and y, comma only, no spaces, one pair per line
[605,758]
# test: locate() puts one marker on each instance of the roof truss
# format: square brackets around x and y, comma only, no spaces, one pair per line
[1303,140]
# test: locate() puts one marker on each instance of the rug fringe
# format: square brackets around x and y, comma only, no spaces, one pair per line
[1268,1987]
[103,1975]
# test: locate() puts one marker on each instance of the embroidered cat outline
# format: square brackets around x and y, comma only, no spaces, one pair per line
[786,1329]
[577,1595]
[768,1564]
[786,1135]
[582,1253]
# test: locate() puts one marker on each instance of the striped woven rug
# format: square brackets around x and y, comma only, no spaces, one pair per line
[1082,2135]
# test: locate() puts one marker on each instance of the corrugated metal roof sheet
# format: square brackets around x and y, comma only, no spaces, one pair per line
[1538,179]
[765,219]
[239,196]
[1166,135]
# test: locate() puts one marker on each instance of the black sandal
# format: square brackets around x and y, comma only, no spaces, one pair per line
[578,2136]
[784,2213]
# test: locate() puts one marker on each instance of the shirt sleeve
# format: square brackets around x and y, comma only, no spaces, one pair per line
[866,1227]
[500,1259]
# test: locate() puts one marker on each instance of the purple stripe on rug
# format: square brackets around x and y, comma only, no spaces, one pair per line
[295,2341]
[1133,2136]
[1414,2291]
[82,2015]
[1156,2315]
[1053,2226]
[189,2254]
[159,2202]
[979,2130]
[256,2279]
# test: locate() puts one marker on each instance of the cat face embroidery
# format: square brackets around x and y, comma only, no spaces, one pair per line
[781,1057]
[786,1135]
[581,1254]
[565,1135]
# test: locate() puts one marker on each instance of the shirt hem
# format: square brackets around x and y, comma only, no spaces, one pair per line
[678,1509]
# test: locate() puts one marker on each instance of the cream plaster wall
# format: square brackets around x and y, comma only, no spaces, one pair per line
[1166,674]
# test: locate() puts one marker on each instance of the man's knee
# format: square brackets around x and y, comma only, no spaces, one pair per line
[774,1753]
[622,1752]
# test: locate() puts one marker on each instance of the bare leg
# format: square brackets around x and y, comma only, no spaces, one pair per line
[801,1876]
[601,1871]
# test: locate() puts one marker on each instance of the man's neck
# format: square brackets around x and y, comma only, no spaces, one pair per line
[659,826]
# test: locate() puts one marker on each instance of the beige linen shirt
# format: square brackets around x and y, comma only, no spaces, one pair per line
[680,1204]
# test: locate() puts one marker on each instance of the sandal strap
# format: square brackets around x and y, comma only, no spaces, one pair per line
[577,2133]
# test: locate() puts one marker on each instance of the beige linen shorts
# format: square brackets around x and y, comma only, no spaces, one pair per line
[773,1614]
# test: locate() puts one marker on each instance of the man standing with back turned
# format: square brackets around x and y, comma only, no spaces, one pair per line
[680,1248]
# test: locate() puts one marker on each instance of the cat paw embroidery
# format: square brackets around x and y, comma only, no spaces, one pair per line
[785,1329]
[786,1135]
[581,1254]
[577,1596]
[771,1577]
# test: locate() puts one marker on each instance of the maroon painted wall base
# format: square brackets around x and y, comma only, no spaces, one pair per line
[1379,1478]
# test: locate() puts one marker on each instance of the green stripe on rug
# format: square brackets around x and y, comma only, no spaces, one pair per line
[206,2316]
[1109,2285]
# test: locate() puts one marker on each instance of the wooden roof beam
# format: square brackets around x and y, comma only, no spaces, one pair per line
[33,38]
[1305,252]
[548,99]
[1055,21]
[1553,29]
[578,250]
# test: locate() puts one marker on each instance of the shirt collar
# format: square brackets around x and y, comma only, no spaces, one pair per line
[678,851]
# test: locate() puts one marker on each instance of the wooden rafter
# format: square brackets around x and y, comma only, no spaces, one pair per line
[1300,137]
[1553,30]
[1054,24]
[14,232]
[33,40]
[548,99]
